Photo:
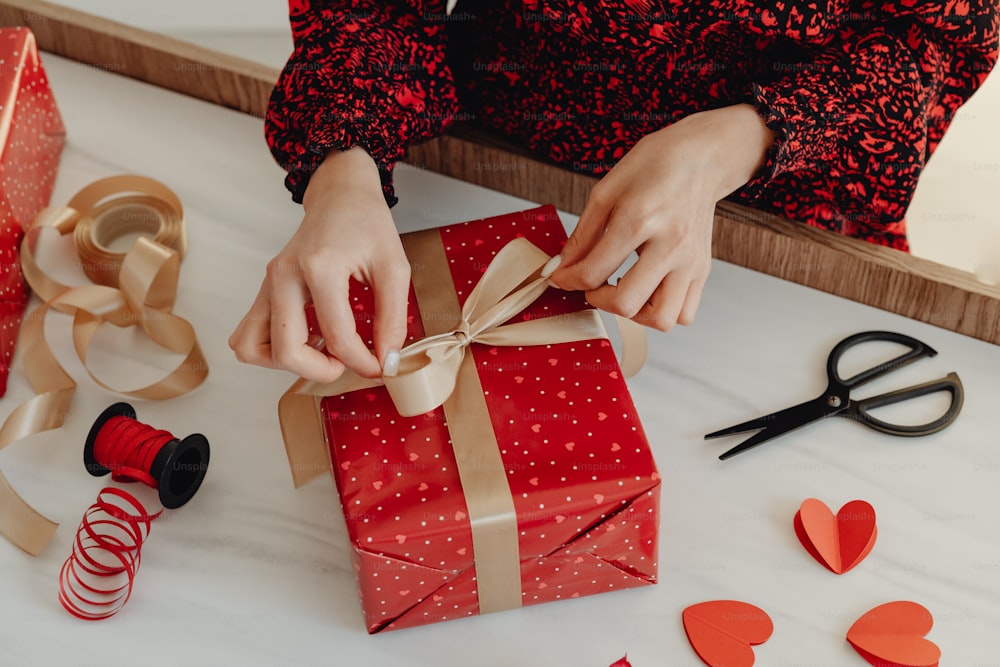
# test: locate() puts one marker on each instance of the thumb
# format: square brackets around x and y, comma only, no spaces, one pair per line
[391,285]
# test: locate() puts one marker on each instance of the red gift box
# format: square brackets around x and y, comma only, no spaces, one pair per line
[31,140]
[581,477]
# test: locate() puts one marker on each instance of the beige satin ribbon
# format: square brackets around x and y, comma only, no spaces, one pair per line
[436,371]
[140,289]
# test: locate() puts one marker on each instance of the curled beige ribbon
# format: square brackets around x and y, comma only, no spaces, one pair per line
[139,290]
[436,371]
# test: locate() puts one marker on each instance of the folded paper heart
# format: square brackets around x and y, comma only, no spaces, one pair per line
[838,542]
[892,634]
[723,632]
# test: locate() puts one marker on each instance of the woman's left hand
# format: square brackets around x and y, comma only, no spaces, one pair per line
[659,201]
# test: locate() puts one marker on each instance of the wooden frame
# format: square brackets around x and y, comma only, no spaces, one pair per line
[851,268]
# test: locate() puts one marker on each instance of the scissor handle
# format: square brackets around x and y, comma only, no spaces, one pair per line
[951,383]
[917,350]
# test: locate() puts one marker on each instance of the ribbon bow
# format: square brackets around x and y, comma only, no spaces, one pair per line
[428,368]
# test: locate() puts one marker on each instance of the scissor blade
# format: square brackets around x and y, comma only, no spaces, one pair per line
[752,425]
[781,423]
[763,422]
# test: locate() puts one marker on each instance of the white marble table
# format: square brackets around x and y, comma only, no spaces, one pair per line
[252,572]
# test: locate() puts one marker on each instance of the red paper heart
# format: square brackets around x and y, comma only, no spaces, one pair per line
[837,542]
[722,632]
[892,634]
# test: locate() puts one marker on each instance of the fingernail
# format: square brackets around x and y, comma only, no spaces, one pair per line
[551,266]
[391,364]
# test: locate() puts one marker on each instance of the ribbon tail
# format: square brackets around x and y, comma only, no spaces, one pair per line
[21,524]
[634,346]
[302,423]
[305,438]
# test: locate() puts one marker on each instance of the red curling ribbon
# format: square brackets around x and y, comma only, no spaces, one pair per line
[136,452]
[96,580]
[127,448]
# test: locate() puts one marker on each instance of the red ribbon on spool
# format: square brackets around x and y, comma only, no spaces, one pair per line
[135,452]
[96,580]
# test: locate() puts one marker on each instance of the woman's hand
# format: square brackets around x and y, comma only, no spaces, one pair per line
[659,201]
[347,232]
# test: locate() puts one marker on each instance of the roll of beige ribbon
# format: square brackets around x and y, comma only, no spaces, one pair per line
[124,217]
[136,288]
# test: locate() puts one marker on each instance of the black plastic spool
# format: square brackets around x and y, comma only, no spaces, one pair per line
[179,467]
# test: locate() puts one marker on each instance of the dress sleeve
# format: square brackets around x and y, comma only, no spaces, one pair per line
[857,117]
[367,73]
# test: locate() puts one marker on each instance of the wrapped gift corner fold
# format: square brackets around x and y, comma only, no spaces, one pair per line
[505,465]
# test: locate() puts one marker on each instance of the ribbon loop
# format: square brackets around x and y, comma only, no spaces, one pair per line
[61,218]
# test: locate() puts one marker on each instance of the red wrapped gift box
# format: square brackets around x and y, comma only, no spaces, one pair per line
[31,140]
[583,481]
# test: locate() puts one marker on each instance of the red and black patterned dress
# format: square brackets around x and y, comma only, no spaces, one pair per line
[859,92]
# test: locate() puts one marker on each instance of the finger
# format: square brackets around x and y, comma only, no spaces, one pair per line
[331,296]
[635,288]
[692,301]
[290,348]
[251,340]
[607,255]
[391,284]
[665,305]
[589,230]
[590,227]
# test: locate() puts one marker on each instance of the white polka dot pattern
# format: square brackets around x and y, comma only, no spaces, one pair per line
[31,138]
[584,483]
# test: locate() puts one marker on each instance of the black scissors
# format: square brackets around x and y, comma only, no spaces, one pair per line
[836,400]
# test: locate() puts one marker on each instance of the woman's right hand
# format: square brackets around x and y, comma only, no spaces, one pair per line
[347,232]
